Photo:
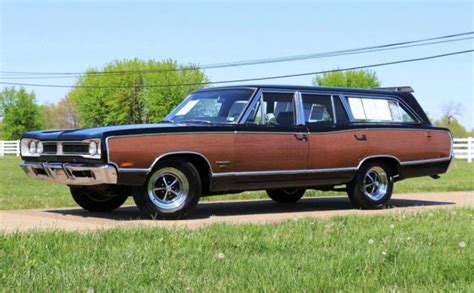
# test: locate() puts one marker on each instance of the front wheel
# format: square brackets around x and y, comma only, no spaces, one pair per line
[95,200]
[286,195]
[172,189]
[372,186]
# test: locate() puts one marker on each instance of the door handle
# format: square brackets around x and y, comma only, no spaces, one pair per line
[301,136]
[362,137]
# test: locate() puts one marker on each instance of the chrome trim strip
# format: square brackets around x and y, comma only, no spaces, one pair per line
[148,170]
[333,110]
[273,132]
[181,153]
[418,162]
[377,157]
[253,101]
[325,170]
[283,172]
[300,119]
[377,128]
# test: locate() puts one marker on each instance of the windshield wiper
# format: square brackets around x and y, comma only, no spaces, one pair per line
[166,121]
[197,121]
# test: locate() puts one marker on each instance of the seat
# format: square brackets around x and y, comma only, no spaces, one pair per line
[285,119]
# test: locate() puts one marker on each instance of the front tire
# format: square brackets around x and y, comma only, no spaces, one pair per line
[286,195]
[95,200]
[171,191]
[372,186]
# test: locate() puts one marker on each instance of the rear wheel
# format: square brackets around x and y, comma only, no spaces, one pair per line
[95,200]
[286,195]
[170,192]
[372,187]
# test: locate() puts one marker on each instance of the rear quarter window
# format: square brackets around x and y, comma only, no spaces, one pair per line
[378,110]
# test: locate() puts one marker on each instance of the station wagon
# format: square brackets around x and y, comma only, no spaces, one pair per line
[282,139]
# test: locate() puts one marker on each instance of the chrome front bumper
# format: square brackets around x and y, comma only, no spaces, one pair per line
[71,174]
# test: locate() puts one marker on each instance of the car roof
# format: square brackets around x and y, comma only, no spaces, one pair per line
[304,87]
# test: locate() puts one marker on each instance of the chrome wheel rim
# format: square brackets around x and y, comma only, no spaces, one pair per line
[375,183]
[168,189]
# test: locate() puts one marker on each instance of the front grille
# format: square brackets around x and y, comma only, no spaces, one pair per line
[67,148]
[50,148]
[76,148]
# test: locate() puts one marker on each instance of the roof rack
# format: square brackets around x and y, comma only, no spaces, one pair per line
[403,89]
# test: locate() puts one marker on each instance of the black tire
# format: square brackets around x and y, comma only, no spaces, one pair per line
[365,195]
[95,200]
[286,195]
[153,199]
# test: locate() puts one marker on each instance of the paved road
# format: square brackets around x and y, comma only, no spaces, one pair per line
[254,211]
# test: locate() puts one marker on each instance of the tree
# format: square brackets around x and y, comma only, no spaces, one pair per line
[20,112]
[62,115]
[351,79]
[454,126]
[132,91]
[451,110]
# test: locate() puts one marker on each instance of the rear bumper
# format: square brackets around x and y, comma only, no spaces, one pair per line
[71,174]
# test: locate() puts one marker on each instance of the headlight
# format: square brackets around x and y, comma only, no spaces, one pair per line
[32,147]
[93,148]
[39,147]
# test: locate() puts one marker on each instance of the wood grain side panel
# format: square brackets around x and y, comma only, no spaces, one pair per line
[142,151]
[269,152]
[342,149]
[336,149]
[410,145]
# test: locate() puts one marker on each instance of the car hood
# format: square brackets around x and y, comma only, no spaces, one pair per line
[133,129]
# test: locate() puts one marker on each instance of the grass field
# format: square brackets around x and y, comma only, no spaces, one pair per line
[19,192]
[429,251]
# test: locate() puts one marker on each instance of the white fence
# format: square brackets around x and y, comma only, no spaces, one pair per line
[463,148]
[9,147]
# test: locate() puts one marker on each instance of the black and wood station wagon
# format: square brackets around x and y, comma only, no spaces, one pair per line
[282,139]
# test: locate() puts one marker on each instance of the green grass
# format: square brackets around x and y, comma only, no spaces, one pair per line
[429,251]
[17,191]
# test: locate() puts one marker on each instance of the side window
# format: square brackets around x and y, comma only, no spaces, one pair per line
[384,110]
[235,110]
[317,108]
[278,109]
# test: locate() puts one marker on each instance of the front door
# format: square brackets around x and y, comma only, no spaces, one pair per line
[270,146]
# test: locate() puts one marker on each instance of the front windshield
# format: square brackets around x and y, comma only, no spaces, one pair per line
[219,106]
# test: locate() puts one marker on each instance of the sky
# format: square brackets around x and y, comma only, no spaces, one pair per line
[71,36]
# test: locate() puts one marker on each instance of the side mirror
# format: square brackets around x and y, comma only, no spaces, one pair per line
[270,119]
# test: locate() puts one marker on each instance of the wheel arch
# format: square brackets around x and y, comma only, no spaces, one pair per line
[392,162]
[199,161]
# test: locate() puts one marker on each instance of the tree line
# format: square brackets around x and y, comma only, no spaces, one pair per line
[97,101]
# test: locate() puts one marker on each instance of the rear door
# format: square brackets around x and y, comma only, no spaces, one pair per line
[335,148]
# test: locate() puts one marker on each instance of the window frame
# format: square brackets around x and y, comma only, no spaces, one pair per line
[332,96]
[188,97]
[345,102]
[259,98]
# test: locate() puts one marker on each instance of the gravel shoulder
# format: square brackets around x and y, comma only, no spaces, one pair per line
[231,212]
